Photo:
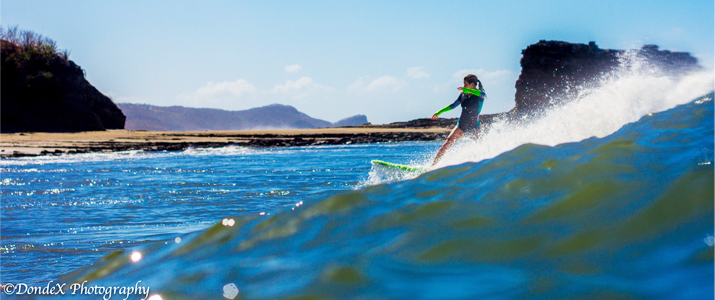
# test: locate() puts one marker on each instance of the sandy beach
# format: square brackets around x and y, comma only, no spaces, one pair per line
[42,143]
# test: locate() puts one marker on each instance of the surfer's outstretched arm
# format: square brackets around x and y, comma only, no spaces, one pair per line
[446,109]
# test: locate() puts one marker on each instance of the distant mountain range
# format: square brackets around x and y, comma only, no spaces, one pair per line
[179,118]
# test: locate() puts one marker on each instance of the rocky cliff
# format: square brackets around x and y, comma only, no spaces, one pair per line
[44,91]
[553,72]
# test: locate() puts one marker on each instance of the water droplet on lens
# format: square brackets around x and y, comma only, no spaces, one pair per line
[230,291]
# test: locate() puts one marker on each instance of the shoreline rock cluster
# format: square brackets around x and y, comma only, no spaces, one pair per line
[180,141]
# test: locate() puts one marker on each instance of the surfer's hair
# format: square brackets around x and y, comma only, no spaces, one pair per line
[471,78]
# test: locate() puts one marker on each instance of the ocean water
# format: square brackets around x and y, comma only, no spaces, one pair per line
[608,197]
[65,212]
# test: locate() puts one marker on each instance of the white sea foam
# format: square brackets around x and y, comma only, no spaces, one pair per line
[599,112]
[72,158]
[228,150]
[123,155]
[381,174]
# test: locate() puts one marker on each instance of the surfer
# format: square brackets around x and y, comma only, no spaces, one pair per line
[472,99]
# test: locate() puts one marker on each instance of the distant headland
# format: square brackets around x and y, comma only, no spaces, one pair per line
[179,118]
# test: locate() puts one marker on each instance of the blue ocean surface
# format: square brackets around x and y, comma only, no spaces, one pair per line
[63,213]
[616,205]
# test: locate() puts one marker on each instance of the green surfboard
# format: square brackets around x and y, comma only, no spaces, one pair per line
[400,167]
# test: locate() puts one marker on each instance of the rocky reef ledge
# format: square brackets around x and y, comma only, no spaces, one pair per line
[41,143]
[46,143]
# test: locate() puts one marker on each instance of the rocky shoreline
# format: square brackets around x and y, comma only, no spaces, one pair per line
[36,144]
[552,72]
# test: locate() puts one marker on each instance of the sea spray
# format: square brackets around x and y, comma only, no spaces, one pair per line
[596,113]
[636,90]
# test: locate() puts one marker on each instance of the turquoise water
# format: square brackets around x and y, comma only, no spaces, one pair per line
[617,205]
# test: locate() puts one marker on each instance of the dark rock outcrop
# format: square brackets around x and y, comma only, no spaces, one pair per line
[554,72]
[44,92]
[179,118]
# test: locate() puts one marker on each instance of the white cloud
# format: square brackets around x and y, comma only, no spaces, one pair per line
[416,73]
[386,83]
[301,88]
[293,68]
[382,84]
[221,95]
[358,85]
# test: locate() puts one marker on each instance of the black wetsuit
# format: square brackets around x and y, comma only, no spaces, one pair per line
[471,107]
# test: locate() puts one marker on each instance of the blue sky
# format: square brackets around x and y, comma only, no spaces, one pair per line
[390,60]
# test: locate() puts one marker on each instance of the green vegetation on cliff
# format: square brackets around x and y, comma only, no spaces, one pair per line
[42,90]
